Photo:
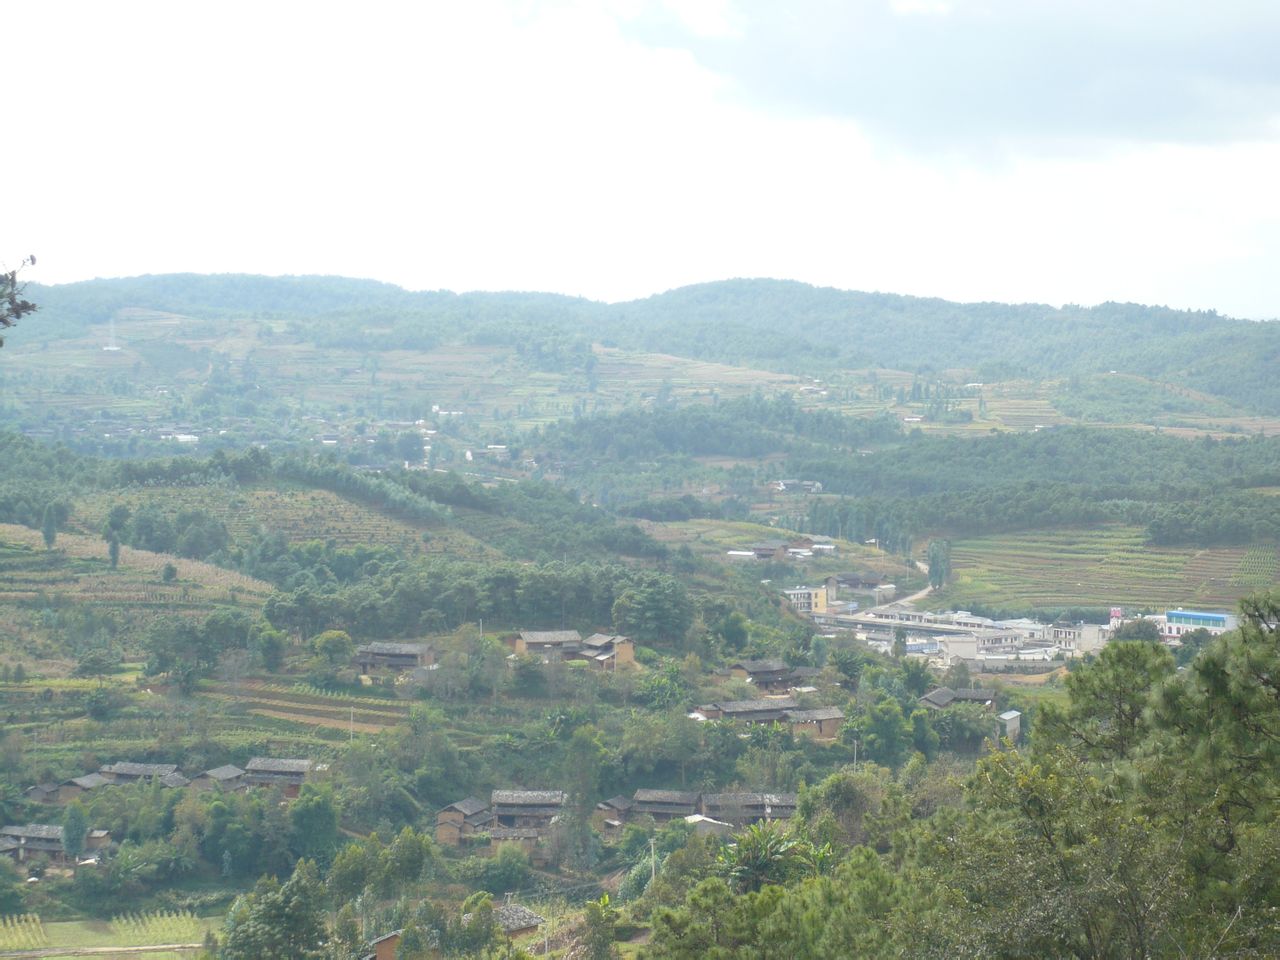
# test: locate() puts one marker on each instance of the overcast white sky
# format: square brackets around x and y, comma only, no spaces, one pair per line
[1073,151]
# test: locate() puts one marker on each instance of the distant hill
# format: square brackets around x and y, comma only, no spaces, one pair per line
[774,324]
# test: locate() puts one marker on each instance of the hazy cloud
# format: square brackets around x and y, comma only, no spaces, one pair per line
[994,74]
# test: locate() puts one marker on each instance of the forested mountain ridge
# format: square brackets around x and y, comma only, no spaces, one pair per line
[781,325]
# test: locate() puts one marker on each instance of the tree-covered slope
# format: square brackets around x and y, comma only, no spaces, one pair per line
[768,323]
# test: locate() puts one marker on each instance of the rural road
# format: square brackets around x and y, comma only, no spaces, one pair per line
[96,951]
[919,594]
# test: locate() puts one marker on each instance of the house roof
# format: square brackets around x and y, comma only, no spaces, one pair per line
[756,706]
[1010,715]
[603,640]
[678,797]
[813,716]
[174,779]
[89,781]
[945,696]
[763,666]
[467,806]
[385,936]
[616,803]
[127,768]
[551,637]
[512,917]
[277,765]
[33,831]
[749,799]
[528,797]
[388,648]
[227,771]
[769,545]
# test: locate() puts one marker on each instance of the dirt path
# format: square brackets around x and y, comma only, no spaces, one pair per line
[919,594]
[98,951]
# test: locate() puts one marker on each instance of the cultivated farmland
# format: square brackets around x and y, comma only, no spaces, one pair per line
[1100,567]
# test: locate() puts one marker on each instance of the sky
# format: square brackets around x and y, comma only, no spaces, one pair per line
[1011,150]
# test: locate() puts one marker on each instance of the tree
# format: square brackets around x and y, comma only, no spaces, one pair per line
[113,549]
[335,646]
[313,820]
[601,920]
[1107,713]
[49,526]
[13,307]
[75,826]
[278,921]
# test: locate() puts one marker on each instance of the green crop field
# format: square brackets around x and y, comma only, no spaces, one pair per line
[1098,568]
[153,928]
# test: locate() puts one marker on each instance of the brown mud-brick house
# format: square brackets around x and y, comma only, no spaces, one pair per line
[385,947]
[548,644]
[25,841]
[126,771]
[515,920]
[942,697]
[77,787]
[41,793]
[765,674]
[765,710]
[664,805]
[821,723]
[526,808]
[464,818]
[287,774]
[528,839]
[226,777]
[611,814]
[741,809]
[32,839]
[608,652]
[396,657]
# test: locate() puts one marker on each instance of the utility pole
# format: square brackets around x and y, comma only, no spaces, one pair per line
[653,861]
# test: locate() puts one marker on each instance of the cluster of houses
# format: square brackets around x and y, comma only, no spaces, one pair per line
[600,650]
[526,817]
[957,635]
[797,548]
[286,774]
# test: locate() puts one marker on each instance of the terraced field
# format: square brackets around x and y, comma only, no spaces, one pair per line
[1098,568]
[77,569]
[314,708]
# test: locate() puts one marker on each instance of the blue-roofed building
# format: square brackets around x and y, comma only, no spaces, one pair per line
[1177,622]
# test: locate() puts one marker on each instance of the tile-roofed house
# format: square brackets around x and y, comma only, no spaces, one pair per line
[526,837]
[69,790]
[25,840]
[226,777]
[607,651]
[385,946]
[41,793]
[765,674]
[744,808]
[287,773]
[462,818]
[942,697]
[392,656]
[821,723]
[550,644]
[769,550]
[526,808]
[175,780]
[664,805]
[516,920]
[765,710]
[126,771]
